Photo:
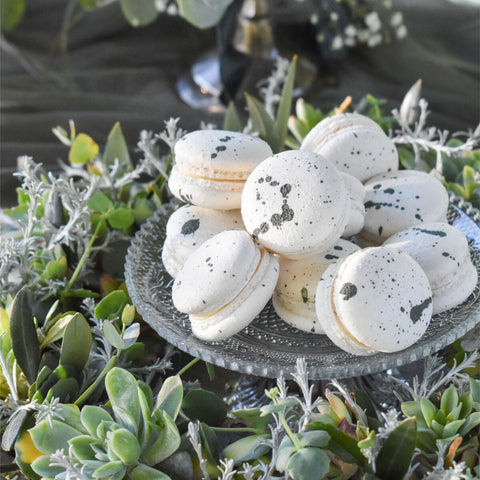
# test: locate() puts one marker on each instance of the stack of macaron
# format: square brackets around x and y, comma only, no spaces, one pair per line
[264,226]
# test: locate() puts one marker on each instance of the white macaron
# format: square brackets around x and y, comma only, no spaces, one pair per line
[188,227]
[399,200]
[443,253]
[295,203]
[211,167]
[294,296]
[225,284]
[376,300]
[356,192]
[355,143]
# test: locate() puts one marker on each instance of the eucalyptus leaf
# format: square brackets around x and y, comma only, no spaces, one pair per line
[308,464]
[121,218]
[112,336]
[116,146]
[396,453]
[231,120]
[112,305]
[83,150]
[246,449]
[76,343]
[23,335]
[144,472]
[11,12]
[203,13]
[205,406]
[170,397]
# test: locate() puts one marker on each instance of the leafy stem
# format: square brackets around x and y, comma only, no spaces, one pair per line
[187,366]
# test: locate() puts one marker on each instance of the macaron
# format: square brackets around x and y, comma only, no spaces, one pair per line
[211,167]
[356,193]
[376,300]
[399,200]
[355,143]
[443,252]
[294,295]
[188,227]
[295,203]
[225,284]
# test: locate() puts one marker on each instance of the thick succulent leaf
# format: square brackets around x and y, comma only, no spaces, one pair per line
[110,471]
[112,305]
[170,396]
[125,445]
[144,472]
[71,416]
[232,120]
[48,439]
[82,447]
[246,449]
[24,335]
[467,404]
[76,344]
[285,450]
[314,438]
[475,389]
[472,421]
[396,453]
[252,417]
[309,464]
[428,410]
[449,400]
[452,428]
[203,13]
[122,390]
[206,406]
[42,467]
[91,416]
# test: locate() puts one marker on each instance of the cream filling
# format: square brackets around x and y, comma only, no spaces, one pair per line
[206,174]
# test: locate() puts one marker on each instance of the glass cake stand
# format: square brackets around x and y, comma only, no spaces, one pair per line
[269,347]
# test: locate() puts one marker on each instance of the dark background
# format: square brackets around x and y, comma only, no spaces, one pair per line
[114,72]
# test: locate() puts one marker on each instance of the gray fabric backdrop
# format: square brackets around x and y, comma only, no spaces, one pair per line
[113,72]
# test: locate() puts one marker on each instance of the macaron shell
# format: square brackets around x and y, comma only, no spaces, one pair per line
[215,273]
[356,146]
[220,154]
[188,227]
[399,200]
[381,300]
[356,193]
[240,312]
[216,194]
[295,203]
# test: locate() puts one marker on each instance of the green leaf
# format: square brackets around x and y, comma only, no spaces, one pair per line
[121,218]
[472,421]
[143,208]
[452,428]
[110,471]
[99,202]
[396,453]
[128,315]
[205,406]
[475,389]
[130,335]
[83,150]
[246,449]
[66,390]
[449,400]
[81,293]
[112,335]
[252,417]
[263,123]
[116,147]
[112,305]
[76,344]
[42,467]
[170,397]
[24,335]
[57,328]
[82,446]
[143,472]
[139,12]
[56,269]
[164,439]
[125,445]
[428,410]
[203,13]
[308,114]
[50,438]
[285,450]
[11,12]
[122,390]
[285,105]
[91,416]
[210,371]
[313,438]
[88,4]
[297,127]
[309,464]
[14,426]
[232,120]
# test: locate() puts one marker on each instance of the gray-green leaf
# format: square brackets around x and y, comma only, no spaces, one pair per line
[203,13]
[308,464]
[76,344]
[170,397]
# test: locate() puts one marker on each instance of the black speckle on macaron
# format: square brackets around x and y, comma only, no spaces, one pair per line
[417,311]
[348,290]
[190,227]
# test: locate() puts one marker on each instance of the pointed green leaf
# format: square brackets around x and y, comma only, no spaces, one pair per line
[76,344]
[143,472]
[83,150]
[428,410]
[308,464]
[455,413]
[11,12]
[112,335]
[164,440]
[49,439]
[396,453]
[246,449]
[452,428]
[112,305]
[466,400]
[263,123]
[232,119]
[205,406]
[139,12]
[449,400]
[472,421]
[24,335]
[297,127]
[170,396]
[285,105]
[203,13]
[91,416]
[14,426]
[57,328]
[121,218]
[116,147]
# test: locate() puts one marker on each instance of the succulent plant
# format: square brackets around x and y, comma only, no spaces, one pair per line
[126,443]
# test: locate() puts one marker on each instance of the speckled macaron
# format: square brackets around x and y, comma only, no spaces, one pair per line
[188,227]
[356,193]
[399,200]
[376,300]
[355,143]
[443,253]
[225,284]
[295,203]
[211,167]
[294,295]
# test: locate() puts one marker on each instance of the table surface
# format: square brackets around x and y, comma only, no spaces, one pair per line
[114,72]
